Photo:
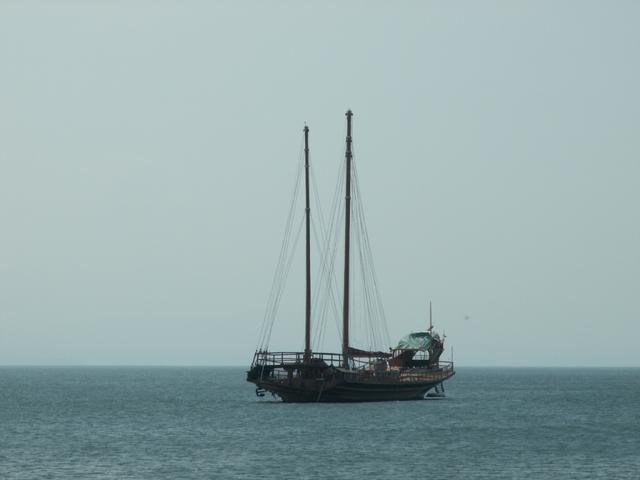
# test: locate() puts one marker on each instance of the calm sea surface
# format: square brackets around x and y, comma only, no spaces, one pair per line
[183,423]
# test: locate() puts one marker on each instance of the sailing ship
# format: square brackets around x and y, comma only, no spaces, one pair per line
[411,370]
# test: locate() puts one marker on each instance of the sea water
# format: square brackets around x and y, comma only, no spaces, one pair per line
[207,423]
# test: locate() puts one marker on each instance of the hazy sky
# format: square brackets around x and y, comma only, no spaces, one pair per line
[147,150]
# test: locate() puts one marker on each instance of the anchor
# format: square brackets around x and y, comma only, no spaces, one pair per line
[260,392]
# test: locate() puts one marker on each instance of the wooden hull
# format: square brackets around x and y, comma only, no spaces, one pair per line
[342,390]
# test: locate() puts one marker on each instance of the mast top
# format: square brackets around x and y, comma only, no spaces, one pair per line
[349,113]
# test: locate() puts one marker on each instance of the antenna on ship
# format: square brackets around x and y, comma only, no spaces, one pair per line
[430,318]
[307,318]
[347,221]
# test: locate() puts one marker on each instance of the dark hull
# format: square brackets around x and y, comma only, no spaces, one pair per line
[348,391]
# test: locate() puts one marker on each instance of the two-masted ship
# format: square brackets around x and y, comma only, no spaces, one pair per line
[409,371]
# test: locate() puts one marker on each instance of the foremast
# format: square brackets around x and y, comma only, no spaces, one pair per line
[307,318]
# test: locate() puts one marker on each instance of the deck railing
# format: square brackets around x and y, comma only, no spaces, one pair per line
[279,366]
[281,359]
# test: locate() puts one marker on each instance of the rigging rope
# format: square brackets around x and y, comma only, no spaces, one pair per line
[366,310]
[327,297]
[277,284]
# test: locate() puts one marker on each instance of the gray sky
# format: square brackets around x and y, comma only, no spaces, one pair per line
[147,151]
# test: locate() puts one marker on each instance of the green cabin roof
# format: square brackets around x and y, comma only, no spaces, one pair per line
[415,341]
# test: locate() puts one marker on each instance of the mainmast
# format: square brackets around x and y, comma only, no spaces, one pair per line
[307,322]
[347,225]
